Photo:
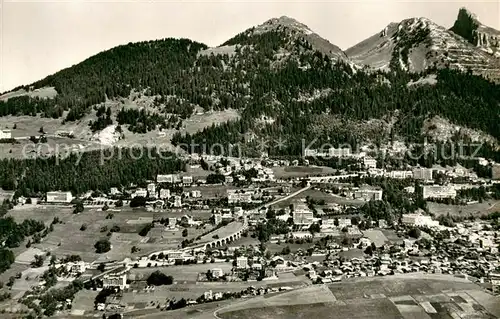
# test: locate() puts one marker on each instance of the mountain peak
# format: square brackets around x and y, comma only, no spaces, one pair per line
[287,22]
[416,44]
[467,12]
[291,31]
[469,27]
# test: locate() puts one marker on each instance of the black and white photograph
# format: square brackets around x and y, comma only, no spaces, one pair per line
[268,159]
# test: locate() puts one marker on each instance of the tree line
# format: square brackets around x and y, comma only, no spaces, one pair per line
[81,172]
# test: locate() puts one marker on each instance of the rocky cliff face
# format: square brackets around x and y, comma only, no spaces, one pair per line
[418,43]
[484,37]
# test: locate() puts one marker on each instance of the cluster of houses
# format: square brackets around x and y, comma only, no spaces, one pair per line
[470,251]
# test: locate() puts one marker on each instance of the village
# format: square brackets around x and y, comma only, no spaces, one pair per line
[249,227]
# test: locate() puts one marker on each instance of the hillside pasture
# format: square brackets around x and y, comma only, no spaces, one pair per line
[68,238]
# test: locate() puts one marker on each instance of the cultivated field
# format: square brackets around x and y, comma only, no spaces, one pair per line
[318,196]
[212,191]
[418,296]
[312,294]
[181,274]
[84,301]
[198,122]
[277,248]
[67,238]
[140,298]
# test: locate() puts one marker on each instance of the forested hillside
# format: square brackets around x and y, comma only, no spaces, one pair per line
[356,97]
[162,67]
[283,81]
[96,170]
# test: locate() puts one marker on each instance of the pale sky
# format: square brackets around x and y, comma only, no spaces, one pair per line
[38,38]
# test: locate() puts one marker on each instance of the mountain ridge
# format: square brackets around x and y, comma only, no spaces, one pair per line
[415,44]
[282,79]
[297,30]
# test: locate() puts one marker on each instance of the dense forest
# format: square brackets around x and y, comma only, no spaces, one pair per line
[362,99]
[78,173]
[140,121]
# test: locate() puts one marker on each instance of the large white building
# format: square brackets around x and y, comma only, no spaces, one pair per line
[339,152]
[5,134]
[424,174]
[118,281]
[344,222]
[217,218]
[59,197]
[187,180]
[196,194]
[368,194]
[418,220]
[75,268]
[400,174]
[330,152]
[217,272]
[436,191]
[302,215]
[495,281]
[168,178]
[238,196]
[310,152]
[177,201]
[151,187]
